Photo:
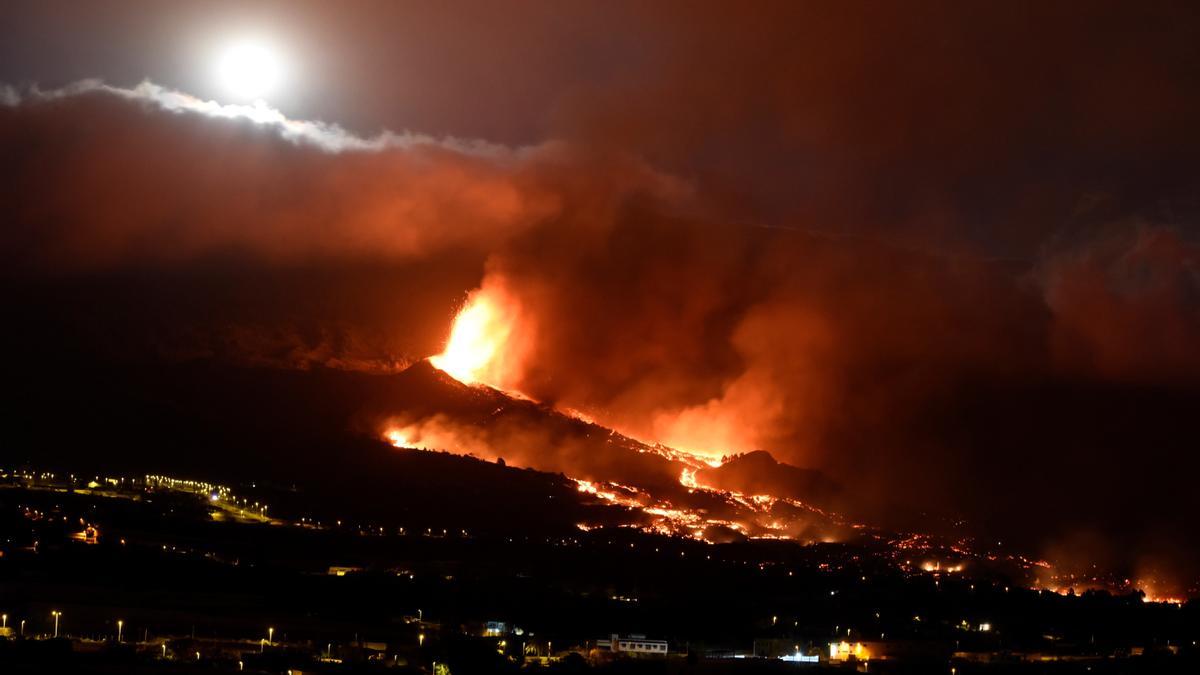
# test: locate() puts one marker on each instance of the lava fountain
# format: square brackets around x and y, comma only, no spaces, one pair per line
[484,345]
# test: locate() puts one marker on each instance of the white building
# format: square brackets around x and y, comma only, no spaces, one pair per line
[634,644]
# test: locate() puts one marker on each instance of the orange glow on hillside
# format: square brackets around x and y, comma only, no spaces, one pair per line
[397,437]
[701,433]
[1164,599]
[490,343]
[483,347]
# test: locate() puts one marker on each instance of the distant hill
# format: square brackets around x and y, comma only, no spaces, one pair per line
[758,473]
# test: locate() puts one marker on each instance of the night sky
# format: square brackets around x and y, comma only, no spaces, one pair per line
[945,252]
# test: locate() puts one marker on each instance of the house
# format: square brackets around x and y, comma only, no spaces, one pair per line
[633,645]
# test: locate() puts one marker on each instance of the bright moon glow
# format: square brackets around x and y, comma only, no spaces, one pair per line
[249,70]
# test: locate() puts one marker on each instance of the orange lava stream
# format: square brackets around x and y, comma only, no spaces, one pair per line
[490,343]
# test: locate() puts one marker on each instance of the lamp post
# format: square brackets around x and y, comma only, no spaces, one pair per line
[22,632]
[120,625]
[56,614]
[271,636]
[420,639]
[5,617]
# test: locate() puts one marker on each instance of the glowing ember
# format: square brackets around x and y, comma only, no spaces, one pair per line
[1167,600]
[1152,591]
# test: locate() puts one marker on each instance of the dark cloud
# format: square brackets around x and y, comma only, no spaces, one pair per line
[1126,304]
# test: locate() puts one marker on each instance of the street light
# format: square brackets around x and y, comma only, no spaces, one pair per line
[22,633]
[270,636]
[5,617]
[420,639]
[56,614]
[120,625]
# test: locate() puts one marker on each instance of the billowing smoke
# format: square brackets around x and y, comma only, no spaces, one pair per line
[231,231]
[150,176]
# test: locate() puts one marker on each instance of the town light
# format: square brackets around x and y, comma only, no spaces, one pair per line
[120,625]
[56,614]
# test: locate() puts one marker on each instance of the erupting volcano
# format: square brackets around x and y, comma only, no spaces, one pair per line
[491,341]
[479,411]
[662,491]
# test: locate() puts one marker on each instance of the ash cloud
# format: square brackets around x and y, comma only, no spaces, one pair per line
[209,231]
[1126,304]
[150,175]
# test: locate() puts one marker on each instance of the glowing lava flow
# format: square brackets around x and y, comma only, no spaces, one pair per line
[713,515]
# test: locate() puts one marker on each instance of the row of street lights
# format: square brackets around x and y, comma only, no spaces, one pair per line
[4,618]
[121,627]
[21,631]
[56,615]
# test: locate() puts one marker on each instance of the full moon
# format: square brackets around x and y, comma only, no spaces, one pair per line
[249,69]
